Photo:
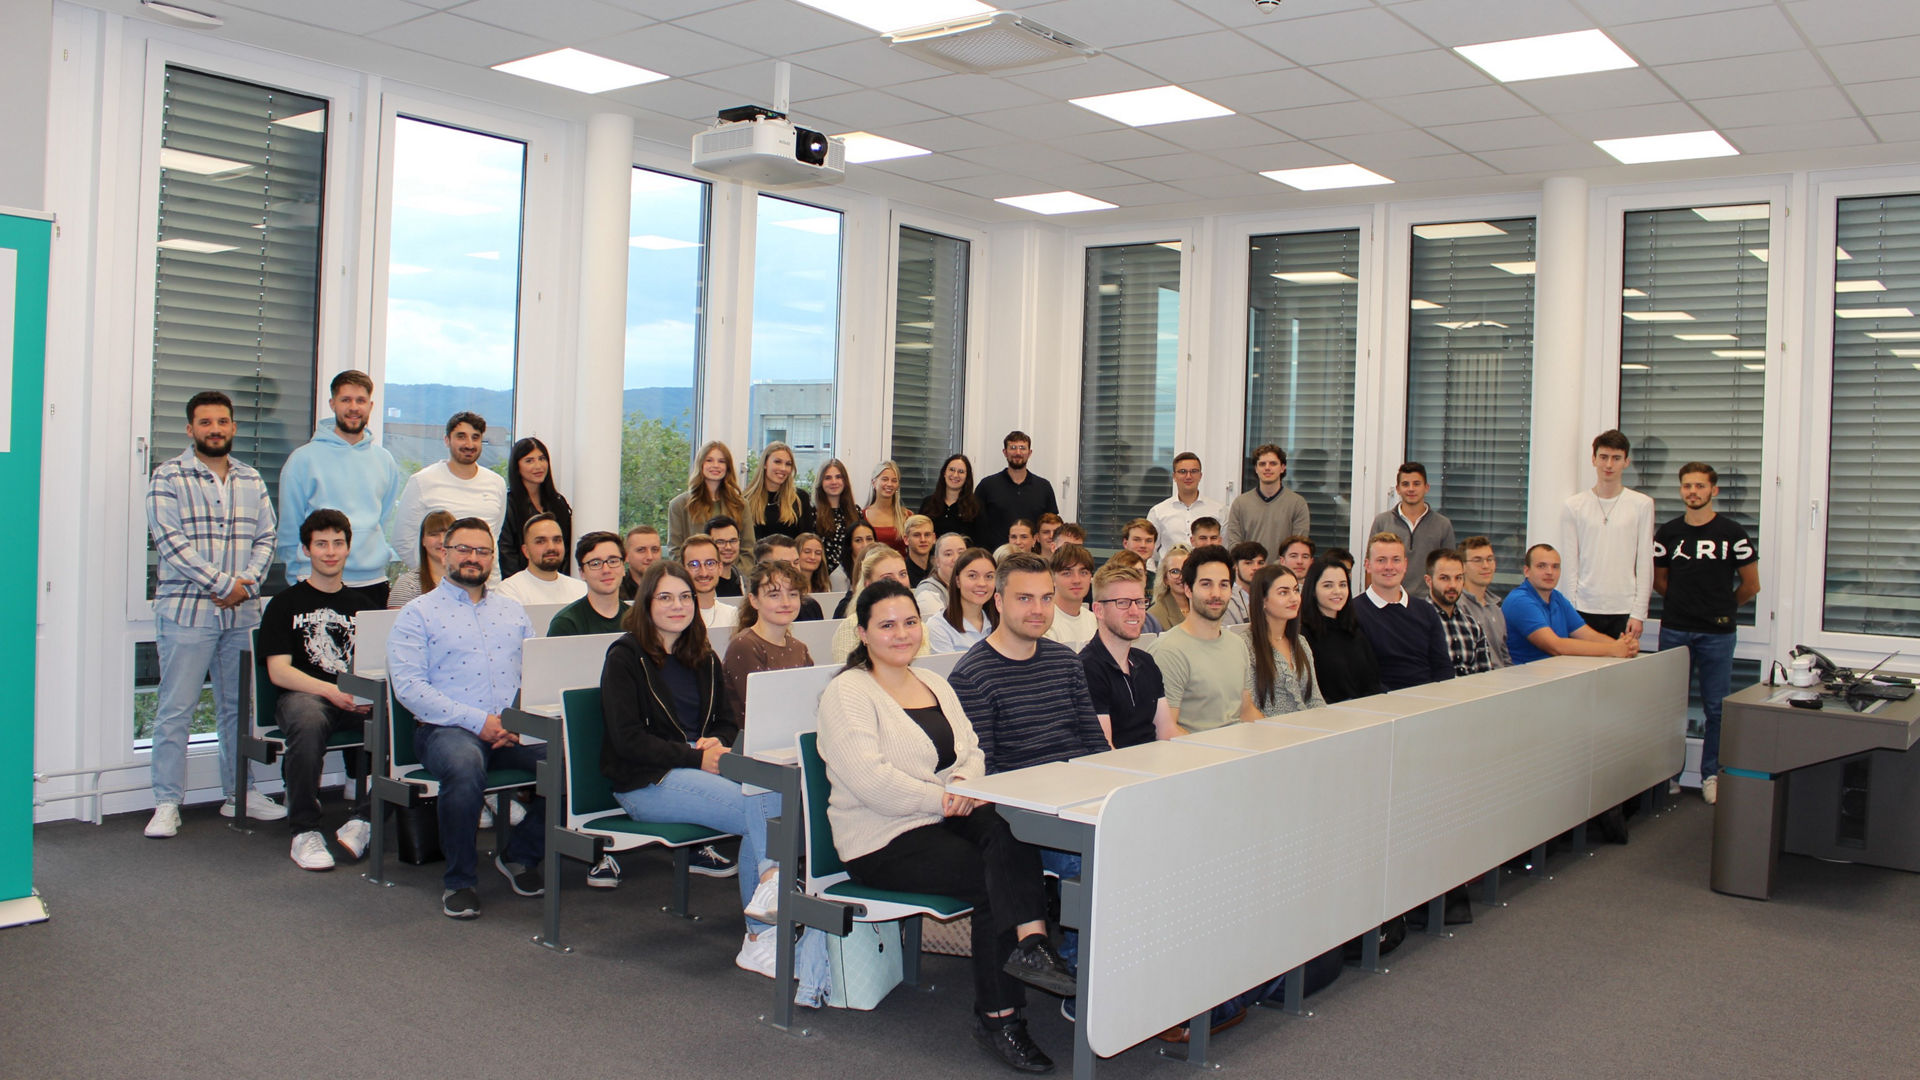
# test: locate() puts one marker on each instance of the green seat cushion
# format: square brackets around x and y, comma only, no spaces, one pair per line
[496,778]
[334,741]
[672,834]
[946,907]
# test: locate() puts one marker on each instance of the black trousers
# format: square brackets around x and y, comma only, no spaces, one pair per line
[307,721]
[974,858]
[1610,625]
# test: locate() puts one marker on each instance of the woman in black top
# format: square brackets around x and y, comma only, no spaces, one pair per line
[952,505]
[775,503]
[530,491]
[1343,661]
[834,514]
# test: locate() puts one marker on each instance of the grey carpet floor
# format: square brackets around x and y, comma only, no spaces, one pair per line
[212,955]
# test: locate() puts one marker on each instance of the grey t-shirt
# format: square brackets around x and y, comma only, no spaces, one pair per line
[1204,679]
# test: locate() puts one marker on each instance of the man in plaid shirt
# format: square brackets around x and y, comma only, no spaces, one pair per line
[213,526]
[1466,642]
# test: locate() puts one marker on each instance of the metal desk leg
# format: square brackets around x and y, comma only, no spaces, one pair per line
[1539,867]
[1370,952]
[1293,999]
[1490,895]
[1199,1034]
[1437,917]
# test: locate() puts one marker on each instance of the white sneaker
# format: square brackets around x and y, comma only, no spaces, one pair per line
[354,836]
[516,812]
[165,821]
[757,954]
[310,851]
[486,816]
[1673,787]
[259,808]
[764,906]
[1710,789]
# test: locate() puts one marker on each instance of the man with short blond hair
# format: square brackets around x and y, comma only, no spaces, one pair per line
[1408,641]
[642,550]
[1129,695]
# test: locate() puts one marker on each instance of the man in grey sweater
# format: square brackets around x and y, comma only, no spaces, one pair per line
[1268,513]
[1418,525]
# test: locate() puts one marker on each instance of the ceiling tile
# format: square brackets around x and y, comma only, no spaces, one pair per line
[752,84]
[1140,194]
[1105,24]
[1745,75]
[1438,167]
[1502,134]
[1413,73]
[961,94]
[1810,135]
[662,9]
[1828,23]
[1202,56]
[1890,96]
[1099,75]
[1054,120]
[1457,106]
[1270,90]
[1348,35]
[348,16]
[1324,121]
[997,185]
[877,63]
[1470,22]
[572,23]
[1897,127]
[1779,107]
[464,40]
[1217,132]
[1633,121]
[933,167]
[676,97]
[1709,37]
[1542,159]
[774,27]
[1117,145]
[1090,175]
[1384,146]
[1235,13]
[1871,61]
[666,47]
[1032,159]
[867,110]
[1289,155]
[1618,12]
[1634,86]
[947,134]
[1179,167]
[1232,186]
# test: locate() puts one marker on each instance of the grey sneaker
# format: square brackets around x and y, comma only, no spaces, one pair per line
[526,880]
[460,904]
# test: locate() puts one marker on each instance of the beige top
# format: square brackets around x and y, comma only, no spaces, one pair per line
[881,764]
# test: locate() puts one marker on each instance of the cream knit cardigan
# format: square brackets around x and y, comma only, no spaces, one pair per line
[881,763]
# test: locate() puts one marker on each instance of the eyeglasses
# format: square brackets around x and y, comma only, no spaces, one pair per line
[727,543]
[601,564]
[673,598]
[1127,603]
[469,549]
[703,564]
[1173,573]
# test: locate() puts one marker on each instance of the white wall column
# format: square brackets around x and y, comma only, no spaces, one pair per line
[1559,361]
[593,476]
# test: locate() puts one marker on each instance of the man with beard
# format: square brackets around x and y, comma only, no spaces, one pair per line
[544,547]
[701,556]
[1129,697]
[344,469]
[1012,494]
[453,657]
[458,485]
[213,527]
[1466,642]
[1204,670]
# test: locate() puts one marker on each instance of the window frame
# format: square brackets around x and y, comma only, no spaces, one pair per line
[973,416]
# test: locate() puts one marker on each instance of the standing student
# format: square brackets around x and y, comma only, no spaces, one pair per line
[306,636]
[812,561]
[1204,668]
[1344,664]
[1267,512]
[544,550]
[643,550]
[1171,599]
[1404,630]
[531,491]
[701,557]
[1248,557]
[859,541]
[775,503]
[1478,599]
[603,567]
[881,563]
[931,592]
[920,538]
[457,484]
[1173,517]
[1608,533]
[712,490]
[885,510]
[1466,642]
[1011,494]
[344,469]
[1129,697]
[1419,526]
[1705,566]
[834,515]
[1073,623]
[761,642]
[213,528]
[970,614]
[1280,675]
[1542,622]
[952,506]
[430,562]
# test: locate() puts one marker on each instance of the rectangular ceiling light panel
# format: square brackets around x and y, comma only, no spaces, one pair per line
[1680,146]
[1326,177]
[572,69]
[1158,105]
[1547,56]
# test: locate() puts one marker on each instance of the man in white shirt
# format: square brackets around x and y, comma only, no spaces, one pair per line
[1174,517]
[701,556]
[1073,622]
[1606,535]
[545,548]
[458,485]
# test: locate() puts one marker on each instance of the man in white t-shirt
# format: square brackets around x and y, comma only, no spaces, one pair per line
[1073,621]
[458,485]
[545,548]
[701,556]
[1606,540]
[1173,517]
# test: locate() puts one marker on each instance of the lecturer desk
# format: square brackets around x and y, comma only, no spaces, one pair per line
[1780,780]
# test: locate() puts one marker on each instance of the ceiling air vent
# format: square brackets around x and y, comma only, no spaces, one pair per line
[1001,42]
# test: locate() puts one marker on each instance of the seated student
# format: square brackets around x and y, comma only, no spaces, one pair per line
[813,562]
[306,635]
[1205,669]
[668,721]
[431,567]
[1280,678]
[724,531]
[1248,557]
[1344,665]
[1070,533]
[643,550]
[545,548]
[780,548]
[1296,554]
[1020,537]
[860,539]
[1142,538]
[1480,601]
[1124,682]
[1542,622]
[1466,643]
[931,592]
[761,642]
[603,566]
[1404,630]
[1341,556]
[1047,539]
[893,737]
[1206,531]
[1170,598]
[453,659]
[1073,624]
[701,556]
[880,563]
[970,614]
[1123,557]
[919,544]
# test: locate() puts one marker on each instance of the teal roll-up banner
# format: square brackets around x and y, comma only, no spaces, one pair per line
[25,242]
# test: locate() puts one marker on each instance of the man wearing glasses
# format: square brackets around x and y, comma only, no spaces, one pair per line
[454,659]
[725,533]
[603,567]
[701,556]
[1479,601]
[1175,515]
[1128,695]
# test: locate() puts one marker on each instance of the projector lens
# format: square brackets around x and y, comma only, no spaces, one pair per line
[809,146]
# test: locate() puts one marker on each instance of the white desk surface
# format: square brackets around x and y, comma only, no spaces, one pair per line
[1160,758]
[1086,813]
[1329,718]
[1395,705]
[1253,738]
[1047,789]
[1507,678]
[1470,688]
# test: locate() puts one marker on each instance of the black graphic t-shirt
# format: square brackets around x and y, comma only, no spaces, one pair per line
[315,628]
[1703,569]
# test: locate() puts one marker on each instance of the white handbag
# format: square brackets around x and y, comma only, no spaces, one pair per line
[866,965]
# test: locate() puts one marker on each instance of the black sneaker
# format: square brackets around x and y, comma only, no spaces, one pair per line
[526,880]
[605,874]
[1006,1038]
[708,862]
[1035,963]
[460,904]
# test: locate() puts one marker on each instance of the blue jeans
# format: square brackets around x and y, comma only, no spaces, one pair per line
[187,655]
[1710,660]
[461,761]
[1067,866]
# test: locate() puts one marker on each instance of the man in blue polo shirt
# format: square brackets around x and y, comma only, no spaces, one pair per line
[1541,622]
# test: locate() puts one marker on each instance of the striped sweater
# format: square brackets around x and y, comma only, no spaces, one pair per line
[1028,712]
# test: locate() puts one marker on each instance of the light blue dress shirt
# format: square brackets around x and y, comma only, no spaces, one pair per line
[454,662]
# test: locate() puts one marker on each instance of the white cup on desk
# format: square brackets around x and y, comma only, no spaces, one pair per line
[1800,671]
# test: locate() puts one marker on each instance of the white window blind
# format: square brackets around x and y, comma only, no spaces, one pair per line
[1470,378]
[1693,355]
[1303,295]
[1873,482]
[929,357]
[1128,373]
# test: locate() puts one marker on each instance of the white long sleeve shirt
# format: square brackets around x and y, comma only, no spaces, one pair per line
[1606,553]
[436,488]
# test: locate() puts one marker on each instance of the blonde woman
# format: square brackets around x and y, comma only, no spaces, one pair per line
[881,563]
[1172,598]
[775,503]
[884,510]
[713,489]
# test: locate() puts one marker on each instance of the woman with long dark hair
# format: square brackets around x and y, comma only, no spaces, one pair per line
[775,503]
[1345,666]
[834,514]
[530,491]
[971,613]
[1282,677]
[952,505]
[712,490]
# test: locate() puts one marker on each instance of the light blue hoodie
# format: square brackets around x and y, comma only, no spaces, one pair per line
[360,480]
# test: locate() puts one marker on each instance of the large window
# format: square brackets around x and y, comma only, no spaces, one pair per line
[1873,482]
[1693,355]
[666,283]
[929,357]
[1470,376]
[796,333]
[1303,296]
[1129,366]
[453,288]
